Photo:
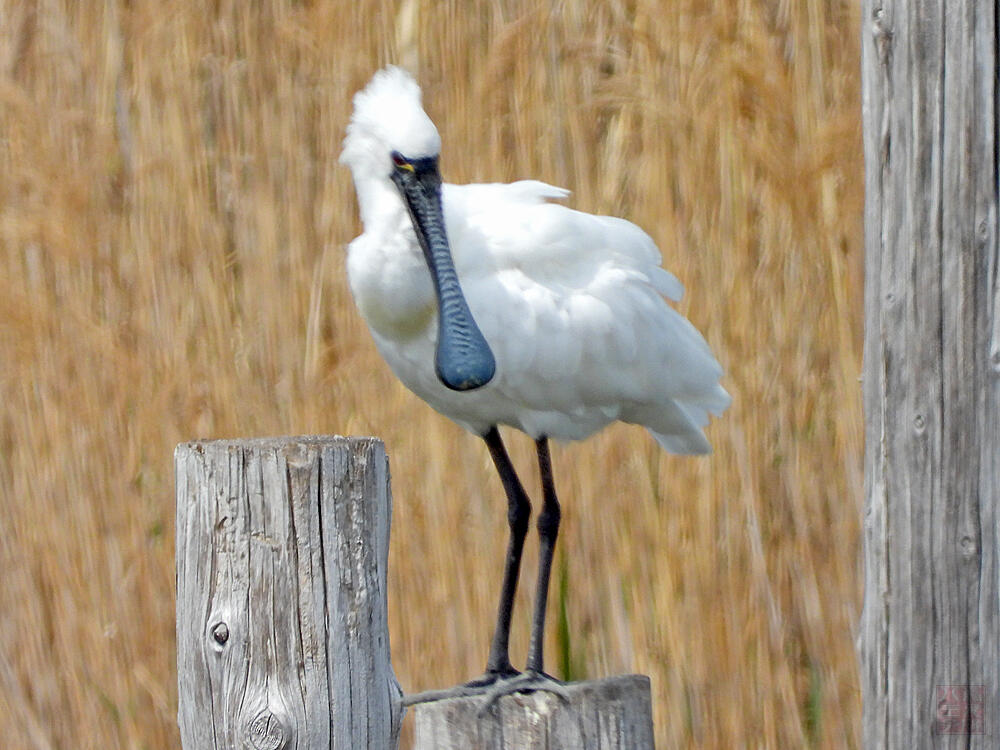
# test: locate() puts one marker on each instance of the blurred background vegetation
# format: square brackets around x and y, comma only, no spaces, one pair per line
[172,231]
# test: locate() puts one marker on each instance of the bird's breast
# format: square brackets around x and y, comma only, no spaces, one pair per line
[392,288]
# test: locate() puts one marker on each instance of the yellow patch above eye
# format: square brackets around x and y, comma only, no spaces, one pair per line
[407,166]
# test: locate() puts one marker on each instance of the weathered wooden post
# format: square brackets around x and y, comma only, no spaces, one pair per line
[610,714]
[930,633]
[282,637]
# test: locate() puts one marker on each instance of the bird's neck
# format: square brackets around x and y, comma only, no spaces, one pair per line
[379,202]
[386,267]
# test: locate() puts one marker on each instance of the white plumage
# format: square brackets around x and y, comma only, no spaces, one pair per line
[574,306]
[499,307]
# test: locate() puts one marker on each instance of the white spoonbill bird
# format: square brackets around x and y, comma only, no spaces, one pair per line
[499,307]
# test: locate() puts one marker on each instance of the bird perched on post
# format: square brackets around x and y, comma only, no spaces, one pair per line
[498,307]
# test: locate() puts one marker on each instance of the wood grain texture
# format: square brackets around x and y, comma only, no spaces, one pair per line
[931,617]
[282,634]
[610,714]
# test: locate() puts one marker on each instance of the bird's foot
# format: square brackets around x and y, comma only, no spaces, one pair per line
[479,686]
[493,686]
[493,677]
[528,681]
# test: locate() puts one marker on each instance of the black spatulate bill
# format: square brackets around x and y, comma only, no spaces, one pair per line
[463,360]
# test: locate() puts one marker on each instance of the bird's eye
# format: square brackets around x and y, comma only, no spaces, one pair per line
[399,160]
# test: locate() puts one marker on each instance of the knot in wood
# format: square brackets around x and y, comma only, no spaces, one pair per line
[983,233]
[220,633]
[266,732]
[968,545]
[882,33]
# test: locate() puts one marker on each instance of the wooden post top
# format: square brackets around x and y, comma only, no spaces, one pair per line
[609,714]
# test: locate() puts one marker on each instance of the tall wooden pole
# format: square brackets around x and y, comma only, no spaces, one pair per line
[282,636]
[929,640]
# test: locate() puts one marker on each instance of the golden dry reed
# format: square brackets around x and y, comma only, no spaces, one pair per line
[172,230]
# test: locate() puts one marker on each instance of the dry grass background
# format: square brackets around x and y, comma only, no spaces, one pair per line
[172,225]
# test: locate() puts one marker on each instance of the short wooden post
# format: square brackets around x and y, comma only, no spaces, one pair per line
[282,637]
[610,714]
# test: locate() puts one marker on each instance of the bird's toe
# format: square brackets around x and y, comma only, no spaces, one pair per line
[492,686]
[529,681]
[492,677]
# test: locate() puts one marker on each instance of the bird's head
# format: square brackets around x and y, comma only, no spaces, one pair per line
[388,125]
[391,138]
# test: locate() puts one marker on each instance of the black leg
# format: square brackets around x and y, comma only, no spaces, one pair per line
[518,513]
[501,678]
[548,529]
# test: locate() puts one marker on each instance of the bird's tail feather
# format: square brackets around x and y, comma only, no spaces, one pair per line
[676,426]
[692,443]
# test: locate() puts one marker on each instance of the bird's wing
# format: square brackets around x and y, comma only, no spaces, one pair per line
[514,226]
[531,191]
[574,305]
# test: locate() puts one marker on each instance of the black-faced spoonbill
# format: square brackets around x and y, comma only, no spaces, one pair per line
[498,307]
